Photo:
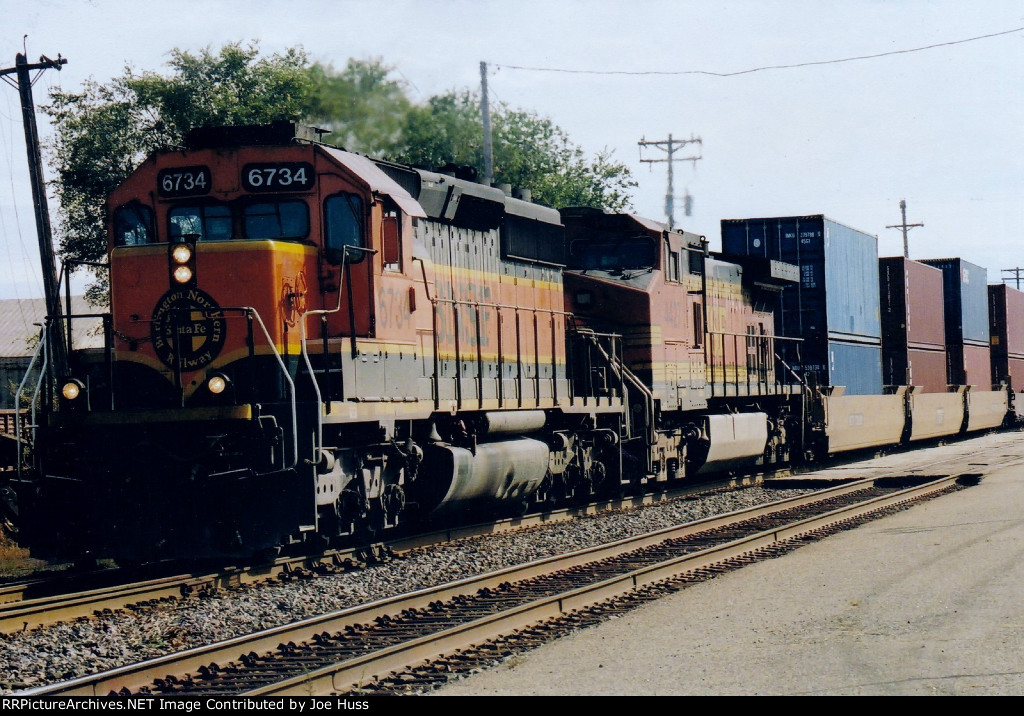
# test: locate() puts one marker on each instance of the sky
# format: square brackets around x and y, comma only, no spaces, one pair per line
[941,128]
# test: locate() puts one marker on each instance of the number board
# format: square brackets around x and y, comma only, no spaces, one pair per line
[278,176]
[183,181]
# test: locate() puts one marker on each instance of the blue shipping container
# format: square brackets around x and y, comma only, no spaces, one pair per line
[857,366]
[836,299]
[965,301]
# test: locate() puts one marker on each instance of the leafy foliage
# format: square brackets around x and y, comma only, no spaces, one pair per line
[105,130]
[533,153]
[362,106]
[530,152]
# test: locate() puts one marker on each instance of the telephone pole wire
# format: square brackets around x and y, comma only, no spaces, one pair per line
[669,146]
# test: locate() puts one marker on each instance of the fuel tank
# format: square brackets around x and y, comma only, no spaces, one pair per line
[495,473]
[734,440]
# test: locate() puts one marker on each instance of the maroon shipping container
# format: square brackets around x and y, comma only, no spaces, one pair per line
[1006,328]
[970,365]
[1014,375]
[913,325]
[926,368]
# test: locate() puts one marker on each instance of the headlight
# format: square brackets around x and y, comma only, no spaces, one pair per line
[181,254]
[72,389]
[217,384]
[183,274]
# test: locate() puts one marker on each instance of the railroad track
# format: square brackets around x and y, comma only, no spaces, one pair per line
[60,600]
[36,602]
[477,618]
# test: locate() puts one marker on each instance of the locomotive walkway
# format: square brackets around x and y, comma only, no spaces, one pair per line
[927,601]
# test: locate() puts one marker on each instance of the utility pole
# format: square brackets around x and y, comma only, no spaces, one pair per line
[669,146]
[35,164]
[486,114]
[905,226]
[1016,274]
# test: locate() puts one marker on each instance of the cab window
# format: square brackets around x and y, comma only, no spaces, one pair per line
[344,226]
[671,264]
[696,262]
[201,222]
[638,253]
[133,225]
[276,220]
[391,241]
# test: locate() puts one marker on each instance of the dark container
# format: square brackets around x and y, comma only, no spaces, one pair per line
[913,330]
[834,308]
[857,366]
[965,301]
[1006,327]
[911,303]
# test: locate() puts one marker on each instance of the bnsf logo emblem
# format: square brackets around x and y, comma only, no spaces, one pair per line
[188,329]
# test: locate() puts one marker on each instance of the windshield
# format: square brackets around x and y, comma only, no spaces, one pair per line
[202,222]
[133,225]
[609,256]
[344,217]
[277,220]
[286,219]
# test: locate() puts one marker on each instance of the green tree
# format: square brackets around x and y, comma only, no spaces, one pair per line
[533,153]
[104,131]
[362,106]
[445,130]
[529,152]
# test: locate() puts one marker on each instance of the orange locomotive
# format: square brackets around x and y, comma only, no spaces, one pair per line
[306,344]
[698,335]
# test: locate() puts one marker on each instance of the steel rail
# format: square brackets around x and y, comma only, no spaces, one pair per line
[350,674]
[19,611]
[142,675]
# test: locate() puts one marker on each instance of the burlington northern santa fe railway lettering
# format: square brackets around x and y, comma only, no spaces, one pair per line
[340,346]
[188,329]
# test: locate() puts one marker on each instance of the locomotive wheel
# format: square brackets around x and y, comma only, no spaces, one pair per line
[392,503]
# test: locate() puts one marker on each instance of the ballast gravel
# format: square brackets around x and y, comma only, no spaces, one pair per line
[61,652]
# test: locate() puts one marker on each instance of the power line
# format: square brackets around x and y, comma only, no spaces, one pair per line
[759,69]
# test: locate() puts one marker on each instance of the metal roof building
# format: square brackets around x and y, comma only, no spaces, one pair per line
[20,321]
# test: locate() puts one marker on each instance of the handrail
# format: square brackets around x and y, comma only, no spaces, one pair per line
[436,387]
[305,353]
[625,374]
[716,363]
[40,350]
[291,384]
